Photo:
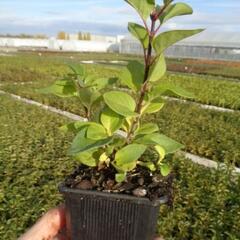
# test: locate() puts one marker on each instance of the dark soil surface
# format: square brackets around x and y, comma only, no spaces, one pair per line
[139,183]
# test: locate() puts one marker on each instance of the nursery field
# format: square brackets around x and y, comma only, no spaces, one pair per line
[33,151]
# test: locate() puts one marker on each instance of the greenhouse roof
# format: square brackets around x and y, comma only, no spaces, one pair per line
[212,39]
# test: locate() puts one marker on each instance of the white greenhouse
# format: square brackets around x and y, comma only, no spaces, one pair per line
[206,45]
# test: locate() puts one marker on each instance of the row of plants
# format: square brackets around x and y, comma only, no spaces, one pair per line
[207,90]
[225,69]
[33,161]
[40,69]
[206,133]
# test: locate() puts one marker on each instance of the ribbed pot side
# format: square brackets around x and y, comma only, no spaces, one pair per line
[93,215]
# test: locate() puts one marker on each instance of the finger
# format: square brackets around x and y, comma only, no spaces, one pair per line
[61,235]
[54,220]
[48,226]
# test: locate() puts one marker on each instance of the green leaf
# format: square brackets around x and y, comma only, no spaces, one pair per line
[130,153]
[121,103]
[127,124]
[85,97]
[169,87]
[78,69]
[99,83]
[140,33]
[118,142]
[158,70]
[147,128]
[167,39]
[152,107]
[111,120]
[89,79]
[133,75]
[169,145]
[81,143]
[104,158]
[96,131]
[161,153]
[62,88]
[88,97]
[143,7]
[165,169]
[125,167]
[148,165]
[177,9]
[120,177]
[87,158]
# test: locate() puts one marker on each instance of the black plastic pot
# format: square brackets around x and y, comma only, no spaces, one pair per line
[93,215]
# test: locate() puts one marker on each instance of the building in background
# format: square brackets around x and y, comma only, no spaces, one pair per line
[217,46]
[86,36]
[205,45]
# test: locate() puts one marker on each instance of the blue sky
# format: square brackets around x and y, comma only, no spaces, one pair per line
[107,16]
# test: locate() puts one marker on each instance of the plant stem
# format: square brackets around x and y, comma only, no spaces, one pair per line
[160,13]
[145,83]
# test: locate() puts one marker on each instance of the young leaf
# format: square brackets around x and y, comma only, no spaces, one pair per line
[169,145]
[88,97]
[104,158]
[111,120]
[121,103]
[87,158]
[81,143]
[133,75]
[120,177]
[89,79]
[177,9]
[158,70]
[167,39]
[168,87]
[85,95]
[130,153]
[165,169]
[125,167]
[143,7]
[152,107]
[96,131]
[140,33]
[62,88]
[147,128]
[77,69]
[161,153]
[99,83]
[148,165]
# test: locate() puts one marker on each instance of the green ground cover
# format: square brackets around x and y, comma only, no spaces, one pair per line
[226,69]
[33,68]
[33,161]
[209,90]
[43,70]
[207,133]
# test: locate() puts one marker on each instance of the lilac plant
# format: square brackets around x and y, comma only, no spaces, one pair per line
[98,142]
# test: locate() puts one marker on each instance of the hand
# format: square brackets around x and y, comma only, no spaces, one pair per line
[49,226]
